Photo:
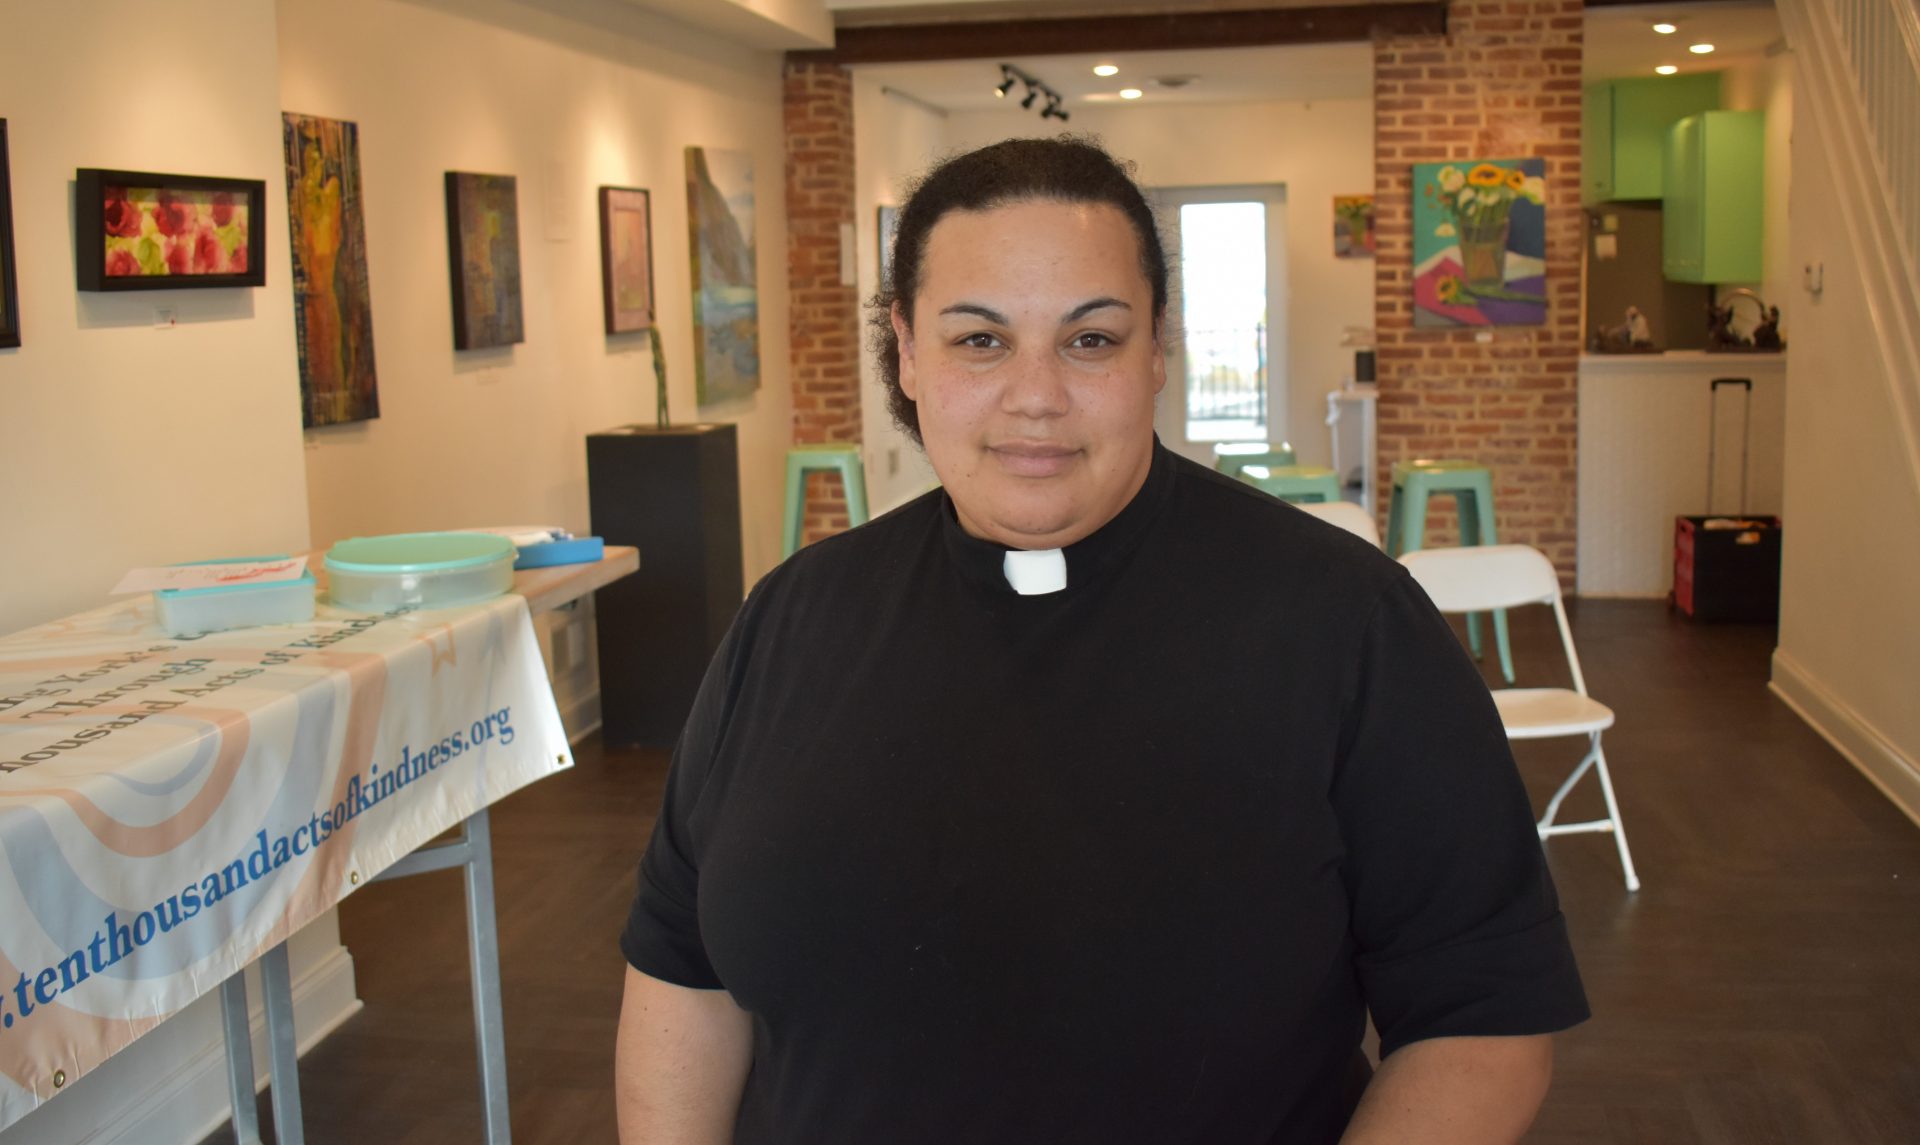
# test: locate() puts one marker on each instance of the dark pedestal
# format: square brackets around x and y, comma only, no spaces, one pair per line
[675,495]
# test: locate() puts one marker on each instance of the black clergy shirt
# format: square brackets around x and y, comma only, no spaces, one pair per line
[1127,862]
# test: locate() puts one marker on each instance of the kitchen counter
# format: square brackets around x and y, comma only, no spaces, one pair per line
[1643,428]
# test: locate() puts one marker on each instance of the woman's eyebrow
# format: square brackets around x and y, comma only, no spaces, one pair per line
[978,311]
[1088,307]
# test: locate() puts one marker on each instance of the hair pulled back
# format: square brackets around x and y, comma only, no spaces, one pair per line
[1064,169]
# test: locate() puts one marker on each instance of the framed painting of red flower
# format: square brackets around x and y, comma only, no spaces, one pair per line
[167,232]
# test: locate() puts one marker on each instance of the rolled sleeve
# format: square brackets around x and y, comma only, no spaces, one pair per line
[1456,925]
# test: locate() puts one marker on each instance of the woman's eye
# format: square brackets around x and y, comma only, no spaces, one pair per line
[981,341]
[1092,341]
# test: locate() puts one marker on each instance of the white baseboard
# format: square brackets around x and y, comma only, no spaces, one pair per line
[1873,754]
[137,1098]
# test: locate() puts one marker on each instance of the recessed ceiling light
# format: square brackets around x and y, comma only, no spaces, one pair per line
[1665,29]
[1130,93]
[1106,69]
[1666,69]
[1700,49]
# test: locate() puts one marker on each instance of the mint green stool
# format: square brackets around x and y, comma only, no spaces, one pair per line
[1470,484]
[830,457]
[1230,457]
[1294,482]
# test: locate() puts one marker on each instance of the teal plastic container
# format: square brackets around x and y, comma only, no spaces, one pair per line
[418,570]
[192,611]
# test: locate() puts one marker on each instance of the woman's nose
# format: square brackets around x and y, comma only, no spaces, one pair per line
[1036,386]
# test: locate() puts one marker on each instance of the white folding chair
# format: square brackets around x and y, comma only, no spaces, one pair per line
[1482,578]
[1347,515]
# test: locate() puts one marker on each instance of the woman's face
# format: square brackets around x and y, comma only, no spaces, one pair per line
[1033,362]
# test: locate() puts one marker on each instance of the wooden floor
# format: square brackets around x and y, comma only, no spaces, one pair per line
[1764,986]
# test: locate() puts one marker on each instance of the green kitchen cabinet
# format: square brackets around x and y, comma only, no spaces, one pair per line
[1715,163]
[1623,132]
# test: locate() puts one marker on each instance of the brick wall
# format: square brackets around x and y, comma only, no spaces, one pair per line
[825,315]
[1503,83]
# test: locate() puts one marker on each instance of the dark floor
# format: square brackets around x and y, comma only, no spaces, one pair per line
[1763,986]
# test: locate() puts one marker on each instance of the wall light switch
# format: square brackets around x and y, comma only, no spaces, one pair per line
[1813,277]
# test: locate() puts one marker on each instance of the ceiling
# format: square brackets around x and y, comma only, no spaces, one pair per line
[1620,41]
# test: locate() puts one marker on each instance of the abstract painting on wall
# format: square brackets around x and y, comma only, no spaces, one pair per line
[1480,243]
[332,305]
[626,259]
[483,246]
[142,230]
[1353,226]
[9,287]
[726,310]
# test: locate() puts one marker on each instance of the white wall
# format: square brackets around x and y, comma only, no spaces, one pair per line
[893,141]
[118,442]
[498,436]
[1317,150]
[1848,613]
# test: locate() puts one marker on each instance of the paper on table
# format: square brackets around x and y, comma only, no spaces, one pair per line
[219,575]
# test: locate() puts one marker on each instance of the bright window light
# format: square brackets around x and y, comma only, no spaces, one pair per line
[1106,70]
[1700,49]
[1130,93]
[1666,69]
[1665,29]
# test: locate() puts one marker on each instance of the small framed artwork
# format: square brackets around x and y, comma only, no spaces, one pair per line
[1353,226]
[626,259]
[1480,243]
[886,224]
[139,230]
[9,286]
[483,245]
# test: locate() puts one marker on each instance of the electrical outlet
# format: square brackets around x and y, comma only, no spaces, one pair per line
[1813,277]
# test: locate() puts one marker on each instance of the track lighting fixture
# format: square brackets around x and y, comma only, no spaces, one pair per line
[1052,109]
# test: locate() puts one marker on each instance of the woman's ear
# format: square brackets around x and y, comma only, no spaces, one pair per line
[903,336]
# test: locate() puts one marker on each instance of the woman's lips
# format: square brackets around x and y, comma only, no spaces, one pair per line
[1034,458]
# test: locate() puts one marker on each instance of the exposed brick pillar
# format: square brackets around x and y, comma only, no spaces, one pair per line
[1503,83]
[825,314]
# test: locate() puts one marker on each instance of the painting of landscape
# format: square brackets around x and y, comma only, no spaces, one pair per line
[726,306]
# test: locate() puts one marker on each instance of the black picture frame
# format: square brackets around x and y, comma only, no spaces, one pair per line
[624,319]
[98,190]
[9,284]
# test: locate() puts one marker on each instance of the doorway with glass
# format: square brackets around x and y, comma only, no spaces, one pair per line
[1227,350]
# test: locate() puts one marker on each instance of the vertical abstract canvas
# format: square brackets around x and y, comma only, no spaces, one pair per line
[1480,243]
[726,309]
[9,291]
[1353,226]
[483,246]
[626,259]
[332,305]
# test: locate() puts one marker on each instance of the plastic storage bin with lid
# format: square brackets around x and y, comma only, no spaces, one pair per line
[418,570]
[193,611]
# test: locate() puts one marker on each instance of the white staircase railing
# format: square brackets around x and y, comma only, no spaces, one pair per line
[1858,66]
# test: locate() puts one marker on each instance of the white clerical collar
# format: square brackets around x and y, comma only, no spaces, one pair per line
[1036,572]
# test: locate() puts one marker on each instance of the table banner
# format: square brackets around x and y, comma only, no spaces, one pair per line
[172,808]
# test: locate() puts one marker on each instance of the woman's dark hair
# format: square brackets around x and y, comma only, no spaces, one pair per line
[1066,169]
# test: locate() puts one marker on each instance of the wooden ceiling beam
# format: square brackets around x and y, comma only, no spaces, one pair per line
[1074,35]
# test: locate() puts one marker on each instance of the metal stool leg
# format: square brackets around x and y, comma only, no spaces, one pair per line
[239,1039]
[483,948]
[276,982]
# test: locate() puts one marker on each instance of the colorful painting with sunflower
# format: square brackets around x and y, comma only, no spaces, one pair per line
[1480,243]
